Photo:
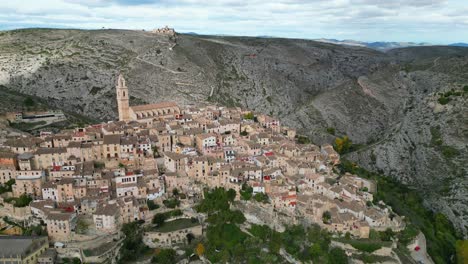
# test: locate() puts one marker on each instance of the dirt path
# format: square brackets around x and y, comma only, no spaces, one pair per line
[159,66]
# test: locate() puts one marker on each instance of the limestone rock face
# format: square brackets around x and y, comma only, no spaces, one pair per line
[388,101]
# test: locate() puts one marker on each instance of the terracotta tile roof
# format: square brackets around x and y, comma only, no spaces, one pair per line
[147,107]
[112,139]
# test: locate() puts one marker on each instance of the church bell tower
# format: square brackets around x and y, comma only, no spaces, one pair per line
[122,99]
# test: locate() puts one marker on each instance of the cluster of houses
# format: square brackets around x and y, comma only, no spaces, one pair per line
[110,171]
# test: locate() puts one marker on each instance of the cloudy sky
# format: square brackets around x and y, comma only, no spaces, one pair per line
[434,21]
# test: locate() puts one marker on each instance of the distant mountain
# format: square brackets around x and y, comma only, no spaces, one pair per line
[379,45]
[459,44]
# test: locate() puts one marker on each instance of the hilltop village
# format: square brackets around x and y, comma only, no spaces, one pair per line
[105,175]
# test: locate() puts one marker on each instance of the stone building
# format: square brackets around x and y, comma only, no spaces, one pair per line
[106,217]
[61,225]
[174,232]
[22,249]
[142,113]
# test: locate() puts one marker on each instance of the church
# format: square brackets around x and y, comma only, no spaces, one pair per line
[142,113]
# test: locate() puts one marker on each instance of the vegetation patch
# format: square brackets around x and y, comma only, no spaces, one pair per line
[365,245]
[133,246]
[343,145]
[7,186]
[438,143]
[249,116]
[369,258]
[23,126]
[440,233]
[303,140]
[445,98]
[22,201]
[165,256]
[160,218]
[449,152]
[95,90]
[462,251]
[152,205]
[171,203]
[436,136]
[177,224]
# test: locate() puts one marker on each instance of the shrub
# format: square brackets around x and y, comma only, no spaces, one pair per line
[249,116]
[246,192]
[365,246]
[99,165]
[450,152]
[343,145]
[261,197]
[7,186]
[152,205]
[29,102]
[337,256]
[22,201]
[326,217]
[462,248]
[387,235]
[303,140]
[331,130]
[132,246]
[443,100]
[159,219]
[165,256]
[171,203]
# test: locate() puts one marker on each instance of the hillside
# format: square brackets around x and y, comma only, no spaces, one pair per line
[388,102]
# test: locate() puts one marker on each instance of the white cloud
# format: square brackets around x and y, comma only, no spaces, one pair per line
[442,21]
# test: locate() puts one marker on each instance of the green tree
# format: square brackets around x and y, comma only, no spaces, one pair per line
[348,235]
[231,194]
[387,235]
[443,100]
[246,192]
[29,102]
[303,140]
[7,187]
[261,197]
[159,219]
[165,256]
[152,205]
[342,145]
[337,256]
[326,217]
[171,203]
[316,251]
[132,246]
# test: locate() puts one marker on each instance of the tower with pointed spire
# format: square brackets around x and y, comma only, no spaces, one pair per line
[122,99]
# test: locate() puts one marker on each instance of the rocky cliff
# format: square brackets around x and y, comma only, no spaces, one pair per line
[407,106]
